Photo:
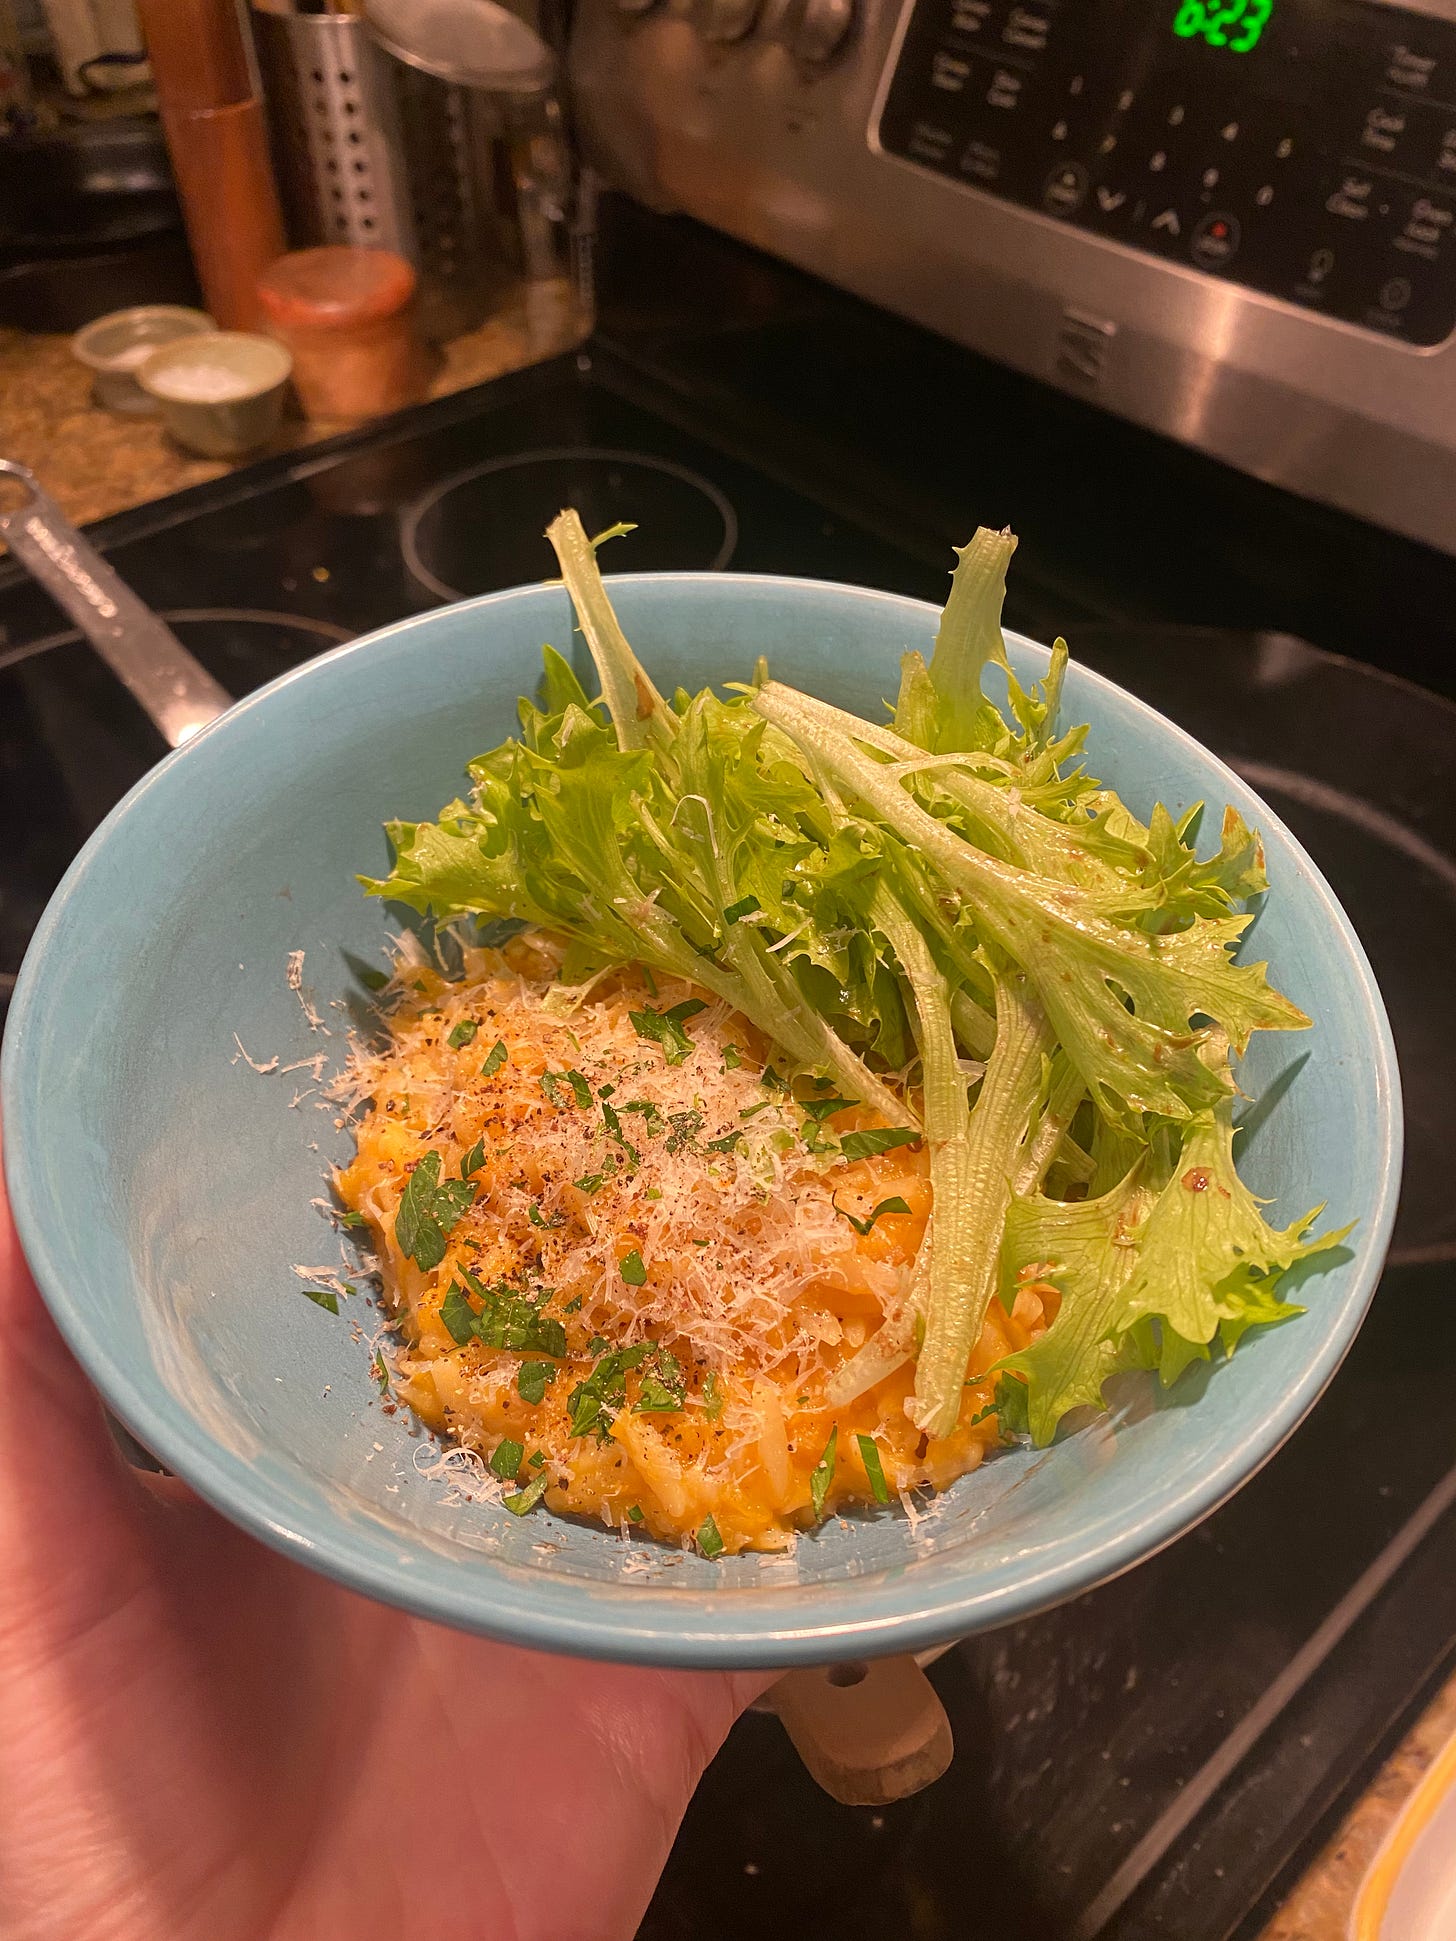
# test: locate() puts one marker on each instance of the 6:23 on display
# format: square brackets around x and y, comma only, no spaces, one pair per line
[1236,25]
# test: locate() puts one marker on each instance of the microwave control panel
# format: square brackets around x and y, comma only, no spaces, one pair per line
[1303,148]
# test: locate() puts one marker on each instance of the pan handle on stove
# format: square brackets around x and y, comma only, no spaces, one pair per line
[141,650]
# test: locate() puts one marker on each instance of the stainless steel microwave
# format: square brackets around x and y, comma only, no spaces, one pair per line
[1231,220]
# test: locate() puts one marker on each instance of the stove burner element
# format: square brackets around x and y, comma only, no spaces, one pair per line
[73,741]
[483,529]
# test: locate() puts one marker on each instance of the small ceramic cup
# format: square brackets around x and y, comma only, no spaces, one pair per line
[114,348]
[221,395]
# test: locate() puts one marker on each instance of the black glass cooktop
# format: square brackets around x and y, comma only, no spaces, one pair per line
[1157,1757]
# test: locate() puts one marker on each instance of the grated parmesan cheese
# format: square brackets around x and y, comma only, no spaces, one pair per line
[751,1275]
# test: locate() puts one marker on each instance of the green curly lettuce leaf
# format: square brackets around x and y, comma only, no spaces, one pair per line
[948,909]
[1194,1257]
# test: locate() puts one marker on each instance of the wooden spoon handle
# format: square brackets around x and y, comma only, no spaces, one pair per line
[869,1731]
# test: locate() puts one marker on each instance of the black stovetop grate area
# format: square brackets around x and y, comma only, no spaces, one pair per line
[1152,1759]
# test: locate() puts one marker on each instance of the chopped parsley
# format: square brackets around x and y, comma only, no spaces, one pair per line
[633,1269]
[864,1145]
[494,1059]
[685,1128]
[746,906]
[589,1182]
[650,1114]
[712,1396]
[532,1379]
[573,1306]
[508,1318]
[526,1499]
[709,1542]
[634,1512]
[821,1109]
[656,1398]
[592,1401]
[462,1034]
[507,1460]
[580,1090]
[752,1111]
[538,1218]
[665,1028]
[614,1126]
[473,1160]
[323,1297]
[874,1469]
[352,1219]
[553,1084]
[892,1205]
[457,1316]
[726,1143]
[379,1368]
[772,1080]
[823,1475]
[429,1212]
[732,1058]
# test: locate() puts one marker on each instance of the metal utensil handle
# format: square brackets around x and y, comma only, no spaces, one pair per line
[141,650]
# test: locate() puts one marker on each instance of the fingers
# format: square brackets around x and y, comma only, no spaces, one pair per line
[21,1311]
[747,1686]
[55,1454]
[34,1360]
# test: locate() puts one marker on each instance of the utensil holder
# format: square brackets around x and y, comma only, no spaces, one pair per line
[336,135]
[373,153]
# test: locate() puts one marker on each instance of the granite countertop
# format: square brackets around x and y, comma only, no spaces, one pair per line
[95,462]
[1320,1906]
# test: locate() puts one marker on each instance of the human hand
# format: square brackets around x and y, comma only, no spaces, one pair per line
[201,1741]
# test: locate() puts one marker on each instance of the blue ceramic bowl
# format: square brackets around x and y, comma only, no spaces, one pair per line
[164,1188]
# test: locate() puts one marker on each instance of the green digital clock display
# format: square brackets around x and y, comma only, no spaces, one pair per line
[1234,24]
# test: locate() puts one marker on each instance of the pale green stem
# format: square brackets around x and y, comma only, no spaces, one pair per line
[632,701]
[975,1027]
[1034,841]
[972,1157]
[970,632]
[1049,1141]
[777,1006]
[987,1161]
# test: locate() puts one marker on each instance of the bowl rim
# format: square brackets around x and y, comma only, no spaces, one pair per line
[877,1614]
